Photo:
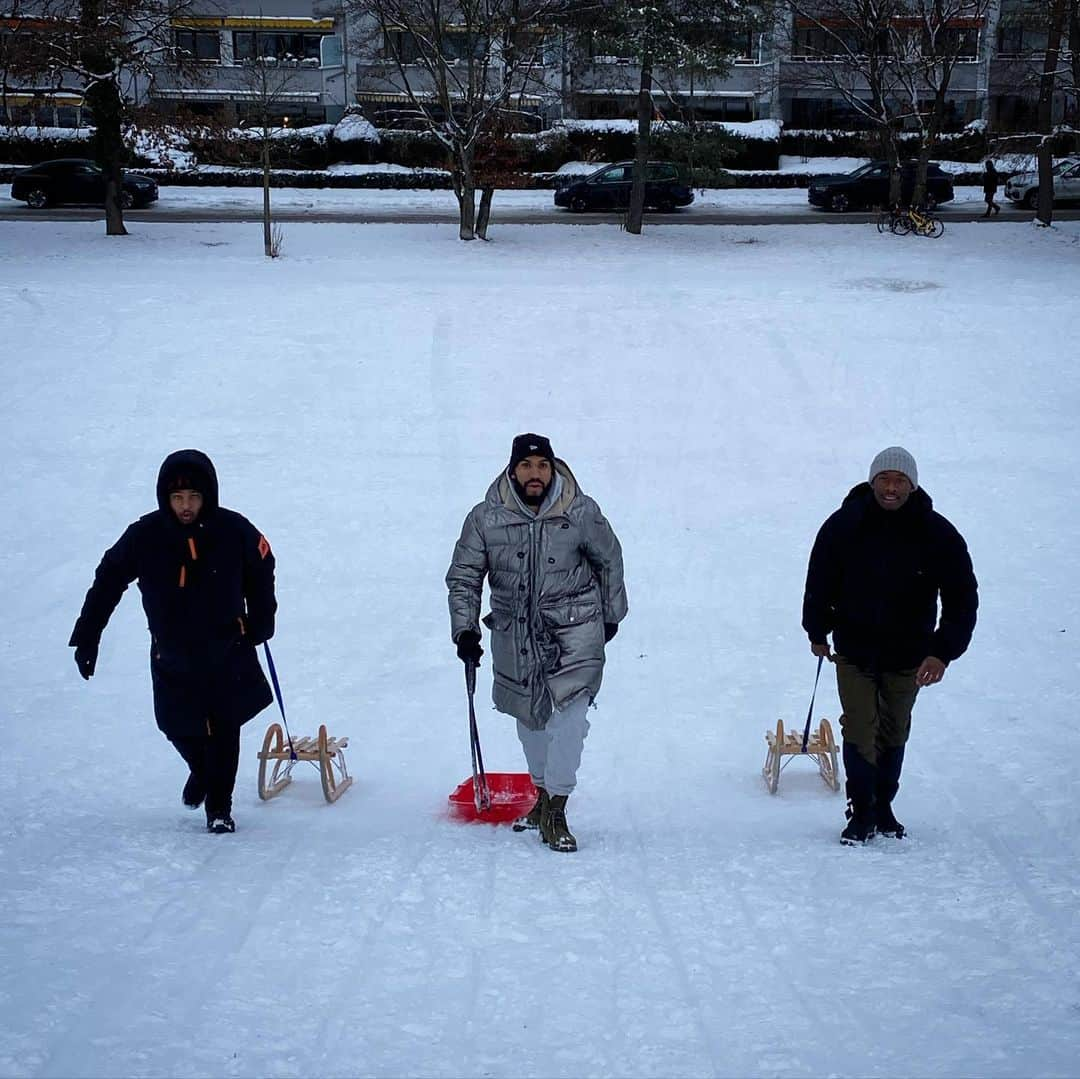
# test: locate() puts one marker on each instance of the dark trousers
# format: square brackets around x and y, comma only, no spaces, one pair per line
[213,759]
[876,707]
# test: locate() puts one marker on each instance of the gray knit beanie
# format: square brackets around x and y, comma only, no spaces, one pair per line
[895,459]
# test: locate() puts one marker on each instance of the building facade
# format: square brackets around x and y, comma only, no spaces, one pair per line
[308,61]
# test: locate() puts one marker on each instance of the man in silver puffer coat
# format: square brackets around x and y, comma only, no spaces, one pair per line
[555,570]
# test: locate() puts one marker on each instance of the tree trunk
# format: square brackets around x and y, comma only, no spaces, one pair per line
[1074,47]
[928,143]
[484,213]
[104,98]
[641,156]
[892,155]
[465,190]
[268,238]
[1044,214]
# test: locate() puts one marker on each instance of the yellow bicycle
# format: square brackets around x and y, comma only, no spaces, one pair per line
[923,223]
[902,220]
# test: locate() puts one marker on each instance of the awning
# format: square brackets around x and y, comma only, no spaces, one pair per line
[398,97]
[253,22]
[658,96]
[43,97]
[203,93]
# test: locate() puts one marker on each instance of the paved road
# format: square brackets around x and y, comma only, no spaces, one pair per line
[745,216]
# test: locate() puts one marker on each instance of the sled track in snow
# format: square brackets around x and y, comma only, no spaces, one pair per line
[105,1010]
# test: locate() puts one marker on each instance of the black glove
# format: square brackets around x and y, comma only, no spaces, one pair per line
[86,659]
[610,629]
[468,647]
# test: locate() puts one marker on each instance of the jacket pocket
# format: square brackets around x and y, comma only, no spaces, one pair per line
[506,660]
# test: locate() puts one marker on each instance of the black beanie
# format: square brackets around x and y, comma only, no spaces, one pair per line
[529,445]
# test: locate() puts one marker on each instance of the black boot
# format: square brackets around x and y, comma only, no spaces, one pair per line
[194,791]
[890,763]
[860,786]
[554,830]
[531,820]
[219,819]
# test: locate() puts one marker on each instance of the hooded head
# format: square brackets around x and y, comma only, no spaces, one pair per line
[188,470]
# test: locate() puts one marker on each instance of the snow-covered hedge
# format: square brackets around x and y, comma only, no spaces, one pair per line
[753,145]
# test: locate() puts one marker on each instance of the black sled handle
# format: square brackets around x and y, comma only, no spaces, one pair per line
[481,794]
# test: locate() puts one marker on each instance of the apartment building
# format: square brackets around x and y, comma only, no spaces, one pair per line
[325,62]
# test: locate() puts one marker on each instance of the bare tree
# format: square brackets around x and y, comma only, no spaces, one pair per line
[928,41]
[99,47]
[268,83]
[846,49]
[467,70]
[1057,13]
[663,36]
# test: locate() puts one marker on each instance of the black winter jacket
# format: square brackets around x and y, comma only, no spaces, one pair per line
[208,593]
[875,577]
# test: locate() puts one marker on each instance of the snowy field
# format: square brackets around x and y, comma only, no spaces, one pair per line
[717,390]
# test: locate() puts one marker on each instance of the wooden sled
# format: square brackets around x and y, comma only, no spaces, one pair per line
[821,746]
[326,753]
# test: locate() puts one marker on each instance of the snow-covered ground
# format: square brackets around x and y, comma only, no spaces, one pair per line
[718,391]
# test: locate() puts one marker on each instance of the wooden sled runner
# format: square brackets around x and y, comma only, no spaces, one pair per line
[326,753]
[821,746]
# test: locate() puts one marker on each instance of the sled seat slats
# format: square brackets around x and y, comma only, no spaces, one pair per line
[820,746]
[324,751]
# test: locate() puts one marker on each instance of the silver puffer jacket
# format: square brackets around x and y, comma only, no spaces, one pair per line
[556,577]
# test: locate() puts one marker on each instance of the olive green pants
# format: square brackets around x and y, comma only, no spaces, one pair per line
[877,707]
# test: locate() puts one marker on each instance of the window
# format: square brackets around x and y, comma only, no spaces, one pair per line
[608,50]
[1010,40]
[619,174]
[814,43]
[204,45]
[748,49]
[402,46]
[248,45]
[532,48]
[661,172]
[461,44]
[959,41]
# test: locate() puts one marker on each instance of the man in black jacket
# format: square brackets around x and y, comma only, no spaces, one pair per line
[207,580]
[878,566]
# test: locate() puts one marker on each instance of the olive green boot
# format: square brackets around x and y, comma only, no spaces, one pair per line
[553,829]
[531,820]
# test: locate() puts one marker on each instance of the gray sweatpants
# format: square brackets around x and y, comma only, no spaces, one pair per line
[554,753]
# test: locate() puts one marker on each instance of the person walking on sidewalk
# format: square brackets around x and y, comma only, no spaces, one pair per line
[990,186]
[206,575]
[877,569]
[555,570]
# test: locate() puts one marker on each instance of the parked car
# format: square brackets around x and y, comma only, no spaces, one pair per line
[868,186]
[609,188]
[1023,188]
[78,181]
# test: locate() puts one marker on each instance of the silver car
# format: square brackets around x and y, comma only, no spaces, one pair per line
[1023,188]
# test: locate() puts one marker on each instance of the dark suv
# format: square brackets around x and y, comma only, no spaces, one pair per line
[79,181]
[868,186]
[609,188]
